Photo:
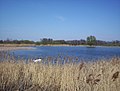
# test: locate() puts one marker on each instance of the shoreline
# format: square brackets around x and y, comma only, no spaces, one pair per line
[7,47]
[15,48]
[17,45]
[77,45]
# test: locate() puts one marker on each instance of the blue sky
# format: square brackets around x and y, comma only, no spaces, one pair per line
[60,19]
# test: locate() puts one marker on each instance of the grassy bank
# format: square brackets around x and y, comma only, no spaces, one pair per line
[103,75]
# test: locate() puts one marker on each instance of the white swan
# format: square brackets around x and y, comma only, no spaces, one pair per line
[37,60]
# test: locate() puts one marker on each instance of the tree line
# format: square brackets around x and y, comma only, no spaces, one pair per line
[90,40]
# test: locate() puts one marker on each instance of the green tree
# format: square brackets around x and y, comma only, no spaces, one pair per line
[91,40]
[46,41]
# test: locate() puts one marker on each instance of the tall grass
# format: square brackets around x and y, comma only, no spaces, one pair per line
[102,75]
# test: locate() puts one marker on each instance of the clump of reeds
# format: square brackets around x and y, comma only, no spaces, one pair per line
[102,75]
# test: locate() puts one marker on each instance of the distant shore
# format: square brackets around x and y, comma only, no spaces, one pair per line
[15,48]
[32,45]
[8,47]
[16,45]
[76,45]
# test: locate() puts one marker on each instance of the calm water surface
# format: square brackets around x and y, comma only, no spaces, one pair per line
[72,51]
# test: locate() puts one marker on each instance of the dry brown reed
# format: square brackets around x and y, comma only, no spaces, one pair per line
[94,76]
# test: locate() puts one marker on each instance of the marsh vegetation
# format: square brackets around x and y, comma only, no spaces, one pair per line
[102,75]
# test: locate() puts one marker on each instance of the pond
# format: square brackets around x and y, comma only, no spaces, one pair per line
[80,52]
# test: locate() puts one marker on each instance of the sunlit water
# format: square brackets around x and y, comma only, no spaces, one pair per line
[83,53]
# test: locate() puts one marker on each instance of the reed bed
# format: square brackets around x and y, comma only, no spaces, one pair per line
[102,75]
